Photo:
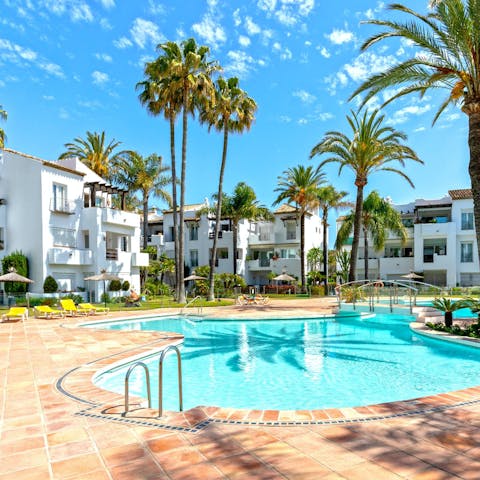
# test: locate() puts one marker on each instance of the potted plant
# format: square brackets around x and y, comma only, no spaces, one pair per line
[448,306]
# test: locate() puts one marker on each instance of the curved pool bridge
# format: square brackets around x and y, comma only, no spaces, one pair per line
[392,293]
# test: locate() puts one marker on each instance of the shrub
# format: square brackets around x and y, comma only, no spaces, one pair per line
[105,298]
[76,298]
[125,286]
[351,294]
[35,301]
[115,286]
[50,285]
[164,289]
[317,290]
[19,262]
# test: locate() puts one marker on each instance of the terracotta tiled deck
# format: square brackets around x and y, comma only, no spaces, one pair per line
[55,424]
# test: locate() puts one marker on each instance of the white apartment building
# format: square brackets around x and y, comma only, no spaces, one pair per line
[61,216]
[262,247]
[441,243]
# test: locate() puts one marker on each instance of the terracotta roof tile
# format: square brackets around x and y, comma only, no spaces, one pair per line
[461,194]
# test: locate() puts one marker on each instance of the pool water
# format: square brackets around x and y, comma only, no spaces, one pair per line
[301,364]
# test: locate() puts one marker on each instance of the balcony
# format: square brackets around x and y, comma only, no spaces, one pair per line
[120,217]
[263,264]
[157,240]
[264,238]
[287,237]
[69,256]
[435,262]
[434,229]
[140,259]
[395,264]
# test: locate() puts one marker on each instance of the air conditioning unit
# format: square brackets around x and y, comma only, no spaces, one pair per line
[3,201]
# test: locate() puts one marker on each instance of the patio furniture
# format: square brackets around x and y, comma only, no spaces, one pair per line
[71,309]
[45,311]
[93,309]
[19,313]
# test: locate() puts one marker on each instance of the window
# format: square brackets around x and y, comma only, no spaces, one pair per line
[222,253]
[291,231]
[194,258]
[288,253]
[466,252]
[59,203]
[86,239]
[124,244]
[467,220]
[194,232]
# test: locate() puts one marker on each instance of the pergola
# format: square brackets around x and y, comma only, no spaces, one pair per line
[105,188]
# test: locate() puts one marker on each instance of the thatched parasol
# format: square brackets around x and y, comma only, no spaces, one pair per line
[103,276]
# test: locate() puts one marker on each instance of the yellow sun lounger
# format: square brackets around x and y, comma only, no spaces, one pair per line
[71,310]
[93,309]
[45,311]
[20,313]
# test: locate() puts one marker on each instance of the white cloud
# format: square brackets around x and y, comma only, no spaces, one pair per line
[367,64]
[267,5]
[108,3]
[324,116]
[402,115]
[308,43]
[103,56]
[78,10]
[287,12]
[285,119]
[236,18]
[122,43]
[210,30]
[324,52]
[241,64]
[251,27]
[285,53]
[99,78]
[419,129]
[63,114]
[244,41]
[302,121]
[48,98]
[304,96]
[105,24]
[338,37]
[451,117]
[14,53]
[156,8]
[144,32]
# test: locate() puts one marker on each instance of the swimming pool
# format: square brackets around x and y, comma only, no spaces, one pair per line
[301,363]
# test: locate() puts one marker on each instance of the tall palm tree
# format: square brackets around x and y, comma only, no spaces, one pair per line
[145,175]
[372,148]
[328,198]
[3,116]
[94,152]
[447,57]
[185,77]
[230,110]
[243,204]
[378,218]
[158,93]
[314,258]
[300,185]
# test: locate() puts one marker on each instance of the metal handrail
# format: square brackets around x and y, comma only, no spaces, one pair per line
[199,309]
[127,389]
[160,378]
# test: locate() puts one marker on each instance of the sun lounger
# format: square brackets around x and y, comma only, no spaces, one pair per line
[45,311]
[20,313]
[71,309]
[93,309]
[260,300]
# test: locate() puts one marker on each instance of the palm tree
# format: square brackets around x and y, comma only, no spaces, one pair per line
[372,148]
[159,94]
[145,175]
[300,185]
[229,110]
[3,116]
[378,218]
[94,152]
[184,78]
[448,306]
[448,41]
[329,198]
[314,258]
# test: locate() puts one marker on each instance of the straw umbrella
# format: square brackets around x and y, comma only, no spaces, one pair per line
[104,277]
[13,276]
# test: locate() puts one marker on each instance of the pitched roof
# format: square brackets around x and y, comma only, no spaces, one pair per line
[285,208]
[461,194]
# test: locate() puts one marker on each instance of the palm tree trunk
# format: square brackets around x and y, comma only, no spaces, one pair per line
[235,249]
[365,247]
[325,247]
[145,220]
[474,165]
[356,231]
[218,216]
[181,239]
[174,201]
[448,318]
[302,249]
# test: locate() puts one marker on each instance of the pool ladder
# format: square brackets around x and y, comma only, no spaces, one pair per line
[160,380]
[191,302]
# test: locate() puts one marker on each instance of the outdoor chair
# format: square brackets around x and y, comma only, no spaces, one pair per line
[261,300]
[93,309]
[71,309]
[20,313]
[45,311]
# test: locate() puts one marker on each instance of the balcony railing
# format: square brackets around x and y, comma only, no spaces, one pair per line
[62,206]
[111,254]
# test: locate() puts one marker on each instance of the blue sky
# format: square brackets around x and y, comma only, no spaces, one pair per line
[69,66]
